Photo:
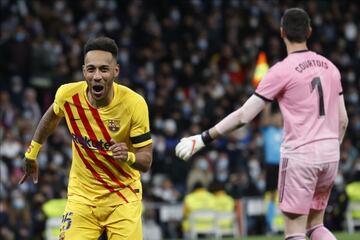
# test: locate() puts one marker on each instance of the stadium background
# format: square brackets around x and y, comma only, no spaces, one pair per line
[192,61]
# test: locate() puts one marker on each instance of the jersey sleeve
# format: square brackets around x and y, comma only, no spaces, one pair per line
[58,105]
[140,128]
[270,86]
[338,76]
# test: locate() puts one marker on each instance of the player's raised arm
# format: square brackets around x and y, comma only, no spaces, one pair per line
[47,125]
[190,145]
[343,119]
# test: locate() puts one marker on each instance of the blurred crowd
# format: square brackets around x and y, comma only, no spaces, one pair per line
[192,61]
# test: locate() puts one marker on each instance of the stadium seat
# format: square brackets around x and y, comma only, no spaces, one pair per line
[352,216]
[226,225]
[202,222]
[53,228]
[279,222]
[54,209]
[253,207]
[353,209]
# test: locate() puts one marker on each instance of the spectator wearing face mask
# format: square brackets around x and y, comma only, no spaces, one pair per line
[5,224]
[222,168]
[31,108]
[19,209]
[200,172]
[188,62]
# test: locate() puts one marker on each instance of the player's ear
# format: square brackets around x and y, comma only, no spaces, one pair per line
[309,33]
[83,69]
[282,33]
[117,70]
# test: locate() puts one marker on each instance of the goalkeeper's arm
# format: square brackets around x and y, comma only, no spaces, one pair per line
[190,145]
[343,120]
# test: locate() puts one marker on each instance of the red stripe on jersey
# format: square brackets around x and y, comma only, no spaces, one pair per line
[96,175]
[107,137]
[89,152]
[92,136]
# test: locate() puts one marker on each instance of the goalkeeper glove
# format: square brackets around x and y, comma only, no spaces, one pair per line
[189,146]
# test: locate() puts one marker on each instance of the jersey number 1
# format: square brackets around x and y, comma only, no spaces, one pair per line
[316,83]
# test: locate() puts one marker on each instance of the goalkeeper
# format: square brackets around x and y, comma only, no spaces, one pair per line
[308,89]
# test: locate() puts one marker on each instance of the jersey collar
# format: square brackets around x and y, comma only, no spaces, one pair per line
[300,51]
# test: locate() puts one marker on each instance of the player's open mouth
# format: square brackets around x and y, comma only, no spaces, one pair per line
[98,90]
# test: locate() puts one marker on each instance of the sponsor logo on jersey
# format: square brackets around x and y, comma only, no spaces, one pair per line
[87,142]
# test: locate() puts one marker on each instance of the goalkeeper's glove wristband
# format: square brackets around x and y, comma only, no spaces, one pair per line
[205,136]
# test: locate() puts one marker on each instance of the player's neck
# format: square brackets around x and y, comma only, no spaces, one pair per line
[295,47]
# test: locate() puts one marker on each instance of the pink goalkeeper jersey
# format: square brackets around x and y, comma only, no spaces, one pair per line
[307,87]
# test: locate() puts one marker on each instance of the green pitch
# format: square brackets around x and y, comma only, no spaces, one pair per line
[340,236]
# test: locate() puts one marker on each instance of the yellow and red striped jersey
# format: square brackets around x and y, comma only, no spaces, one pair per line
[95,177]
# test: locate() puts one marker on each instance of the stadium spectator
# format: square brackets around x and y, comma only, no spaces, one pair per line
[195,34]
[338,203]
[241,185]
[7,230]
[272,131]
[224,204]
[201,171]
[196,200]
[30,107]
[166,192]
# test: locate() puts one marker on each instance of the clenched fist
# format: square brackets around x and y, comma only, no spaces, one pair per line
[189,146]
[119,150]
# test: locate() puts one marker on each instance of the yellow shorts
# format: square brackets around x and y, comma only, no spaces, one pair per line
[88,222]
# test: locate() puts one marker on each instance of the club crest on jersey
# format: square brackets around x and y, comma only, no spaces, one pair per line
[113,125]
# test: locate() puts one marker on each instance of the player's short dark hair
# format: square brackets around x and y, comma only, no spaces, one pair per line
[101,43]
[296,24]
[197,185]
[216,186]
